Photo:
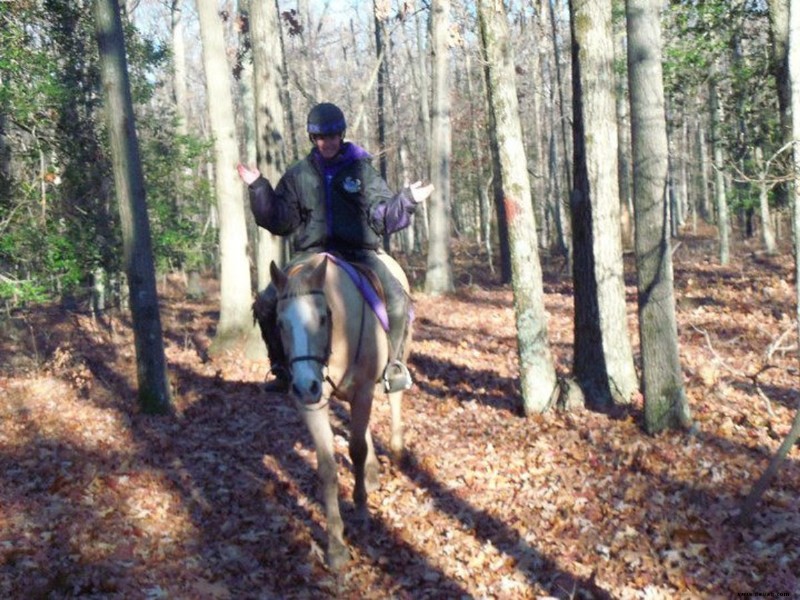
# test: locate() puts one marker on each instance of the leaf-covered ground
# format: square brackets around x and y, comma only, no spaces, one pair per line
[220,501]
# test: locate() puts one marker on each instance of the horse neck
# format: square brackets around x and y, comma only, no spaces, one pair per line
[352,319]
[344,300]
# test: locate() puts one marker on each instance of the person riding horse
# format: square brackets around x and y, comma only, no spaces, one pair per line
[334,200]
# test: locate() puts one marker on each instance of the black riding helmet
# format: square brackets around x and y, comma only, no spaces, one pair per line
[325,119]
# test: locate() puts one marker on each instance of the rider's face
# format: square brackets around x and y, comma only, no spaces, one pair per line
[328,145]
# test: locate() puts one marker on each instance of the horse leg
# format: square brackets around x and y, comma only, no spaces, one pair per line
[360,449]
[372,469]
[318,423]
[396,441]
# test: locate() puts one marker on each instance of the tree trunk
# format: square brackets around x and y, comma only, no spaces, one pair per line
[779,38]
[421,221]
[379,17]
[684,170]
[721,200]
[779,55]
[665,403]
[535,141]
[293,152]
[623,137]
[537,373]
[179,66]
[153,393]
[439,274]
[761,485]
[5,150]
[269,117]
[475,175]
[603,362]
[309,83]
[705,202]
[557,165]
[767,234]
[562,110]
[235,319]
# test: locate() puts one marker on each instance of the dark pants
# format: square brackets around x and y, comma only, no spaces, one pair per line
[398,306]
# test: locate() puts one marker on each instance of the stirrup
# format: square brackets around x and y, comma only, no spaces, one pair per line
[396,377]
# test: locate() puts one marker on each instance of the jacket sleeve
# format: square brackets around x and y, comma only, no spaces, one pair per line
[388,212]
[276,210]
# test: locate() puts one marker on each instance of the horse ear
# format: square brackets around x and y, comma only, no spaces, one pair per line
[317,276]
[278,277]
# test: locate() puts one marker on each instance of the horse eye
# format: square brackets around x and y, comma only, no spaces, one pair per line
[323,320]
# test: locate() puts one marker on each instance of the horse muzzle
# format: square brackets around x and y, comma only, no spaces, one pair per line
[306,393]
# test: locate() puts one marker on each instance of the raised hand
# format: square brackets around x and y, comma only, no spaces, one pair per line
[420,192]
[248,174]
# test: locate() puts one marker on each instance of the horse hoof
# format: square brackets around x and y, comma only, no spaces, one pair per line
[338,556]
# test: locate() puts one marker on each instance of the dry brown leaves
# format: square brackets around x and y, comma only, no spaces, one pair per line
[220,501]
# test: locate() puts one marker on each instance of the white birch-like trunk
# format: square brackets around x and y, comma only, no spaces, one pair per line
[235,319]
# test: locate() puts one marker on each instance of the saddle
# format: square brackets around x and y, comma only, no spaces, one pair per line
[367,284]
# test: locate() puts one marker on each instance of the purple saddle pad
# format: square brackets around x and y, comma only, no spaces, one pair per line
[367,290]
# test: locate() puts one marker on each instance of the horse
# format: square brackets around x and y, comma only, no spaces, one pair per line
[336,346]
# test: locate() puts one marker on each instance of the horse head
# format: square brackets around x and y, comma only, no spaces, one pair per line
[304,322]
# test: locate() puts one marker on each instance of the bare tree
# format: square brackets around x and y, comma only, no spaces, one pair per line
[235,318]
[484,228]
[779,55]
[718,160]
[537,372]
[154,393]
[779,41]
[179,75]
[794,81]
[268,83]
[380,14]
[623,135]
[560,123]
[439,275]
[665,403]
[603,362]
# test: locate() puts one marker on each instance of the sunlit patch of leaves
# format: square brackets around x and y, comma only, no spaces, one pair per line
[220,501]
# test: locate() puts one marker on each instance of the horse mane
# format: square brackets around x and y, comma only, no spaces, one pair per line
[301,278]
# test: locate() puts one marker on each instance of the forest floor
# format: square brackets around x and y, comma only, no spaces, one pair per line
[220,500]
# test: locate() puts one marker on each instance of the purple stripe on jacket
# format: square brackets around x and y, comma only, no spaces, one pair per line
[394,214]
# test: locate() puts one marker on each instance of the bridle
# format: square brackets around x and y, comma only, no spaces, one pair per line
[322,359]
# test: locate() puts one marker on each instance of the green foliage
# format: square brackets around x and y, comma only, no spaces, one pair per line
[29,86]
[696,36]
[59,221]
[23,292]
[725,43]
[743,197]
[178,201]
